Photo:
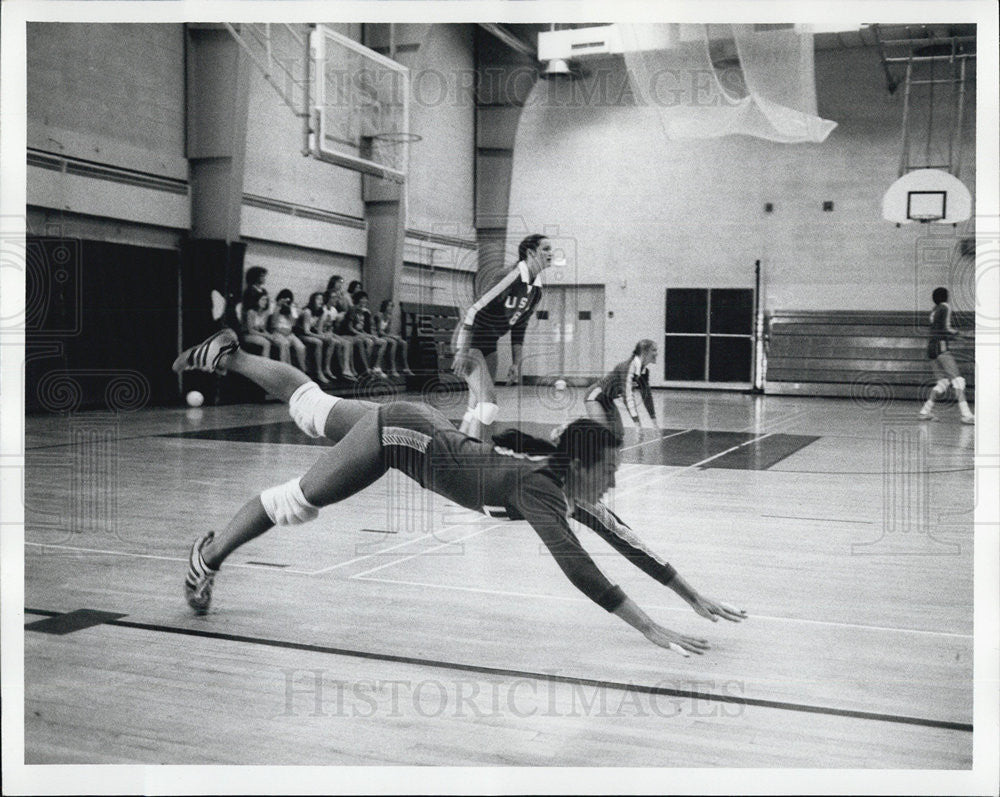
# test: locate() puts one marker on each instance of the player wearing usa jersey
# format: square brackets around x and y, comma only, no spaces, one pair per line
[622,382]
[506,307]
[942,333]
[516,477]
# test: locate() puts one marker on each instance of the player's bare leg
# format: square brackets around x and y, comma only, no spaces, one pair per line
[313,411]
[482,405]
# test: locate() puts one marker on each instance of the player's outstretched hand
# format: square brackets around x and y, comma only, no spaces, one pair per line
[678,643]
[713,610]
[462,364]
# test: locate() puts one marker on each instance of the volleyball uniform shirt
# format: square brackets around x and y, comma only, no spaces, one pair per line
[942,332]
[622,381]
[506,307]
[419,441]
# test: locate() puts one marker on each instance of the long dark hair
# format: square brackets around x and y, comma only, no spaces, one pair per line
[315,302]
[584,440]
[254,275]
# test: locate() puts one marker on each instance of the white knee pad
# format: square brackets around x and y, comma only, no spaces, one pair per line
[309,406]
[941,386]
[958,383]
[286,505]
[486,412]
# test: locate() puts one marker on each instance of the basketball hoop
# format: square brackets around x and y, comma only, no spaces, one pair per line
[361,124]
[397,138]
[925,196]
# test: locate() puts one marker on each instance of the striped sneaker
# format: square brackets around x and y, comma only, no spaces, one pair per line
[208,355]
[199,579]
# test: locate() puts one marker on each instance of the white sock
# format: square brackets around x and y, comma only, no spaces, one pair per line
[929,404]
[467,421]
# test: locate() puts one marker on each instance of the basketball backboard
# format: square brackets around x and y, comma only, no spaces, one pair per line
[361,111]
[927,195]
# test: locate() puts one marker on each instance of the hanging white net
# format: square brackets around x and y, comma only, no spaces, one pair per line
[757,83]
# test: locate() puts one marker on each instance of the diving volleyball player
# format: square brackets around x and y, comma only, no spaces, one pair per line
[515,477]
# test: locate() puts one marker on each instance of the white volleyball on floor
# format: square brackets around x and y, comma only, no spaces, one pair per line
[195,399]
[560,384]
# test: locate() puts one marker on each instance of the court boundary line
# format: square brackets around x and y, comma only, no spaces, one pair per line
[663,691]
[823,519]
[297,571]
[872,472]
[474,518]
[571,598]
[284,569]
[656,440]
[641,475]
[684,609]
[667,472]
[734,448]
[152,435]
[245,565]
[477,532]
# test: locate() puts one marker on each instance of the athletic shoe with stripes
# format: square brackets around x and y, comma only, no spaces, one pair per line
[208,354]
[200,577]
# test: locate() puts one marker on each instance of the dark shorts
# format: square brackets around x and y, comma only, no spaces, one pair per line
[485,340]
[613,420]
[406,430]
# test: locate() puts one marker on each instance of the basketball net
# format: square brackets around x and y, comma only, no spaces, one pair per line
[767,91]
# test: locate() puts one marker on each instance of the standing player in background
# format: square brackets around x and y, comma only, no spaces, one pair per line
[621,383]
[945,367]
[506,307]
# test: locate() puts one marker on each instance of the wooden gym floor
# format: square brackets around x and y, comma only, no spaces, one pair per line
[400,629]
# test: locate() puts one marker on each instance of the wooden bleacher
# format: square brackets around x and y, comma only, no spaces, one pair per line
[429,328]
[840,353]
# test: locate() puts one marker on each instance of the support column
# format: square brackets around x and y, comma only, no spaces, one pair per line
[385,201]
[218,99]
[505,80]
[385,211]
